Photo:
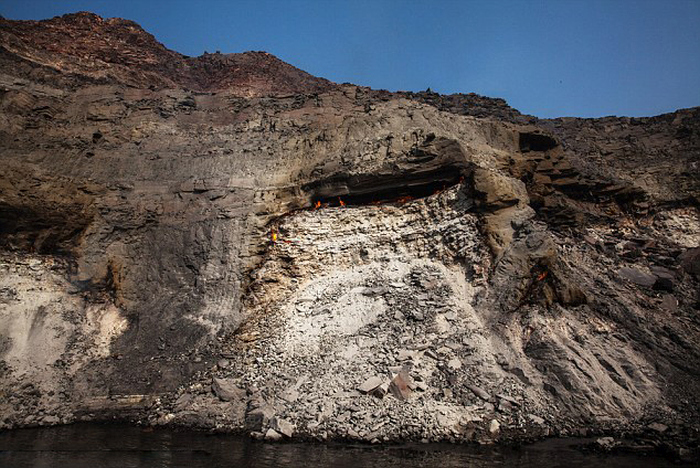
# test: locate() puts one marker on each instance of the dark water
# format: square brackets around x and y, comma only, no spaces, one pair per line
[123,446]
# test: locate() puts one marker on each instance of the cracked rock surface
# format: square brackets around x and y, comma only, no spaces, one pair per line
[228,243]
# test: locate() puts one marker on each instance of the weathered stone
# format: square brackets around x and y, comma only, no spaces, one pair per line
[505,406]
[535,419]
[494,427]
[223,363]
[606,443]
[454,364]
[498,191]
[227,390]
[690,261]
[479,392]
[665,279]
[282,426]
[272,435]
[183,402]
[399,386]
[380,391]
[376,291]
[50,420]
[658,427]
[370,384]
[258,418]
[291,395]
[507,398]
[417,315]
[669,302]
[637,277]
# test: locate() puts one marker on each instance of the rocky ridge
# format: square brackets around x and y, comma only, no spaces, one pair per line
[81,47]
[226,242]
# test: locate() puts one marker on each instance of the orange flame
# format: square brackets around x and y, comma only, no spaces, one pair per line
[342,203]
[273,235]
[542,276]
[317,205]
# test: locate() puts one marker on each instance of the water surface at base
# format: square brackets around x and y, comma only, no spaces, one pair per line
[124,446]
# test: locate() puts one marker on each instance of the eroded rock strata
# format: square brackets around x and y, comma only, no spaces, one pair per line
[227,242]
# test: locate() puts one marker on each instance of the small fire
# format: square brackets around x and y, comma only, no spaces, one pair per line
[542,276]
[317,205]
[273,236]
[341,202]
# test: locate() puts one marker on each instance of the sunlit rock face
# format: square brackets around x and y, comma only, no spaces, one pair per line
[194,246]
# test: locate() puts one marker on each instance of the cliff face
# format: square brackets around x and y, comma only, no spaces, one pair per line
[228,242]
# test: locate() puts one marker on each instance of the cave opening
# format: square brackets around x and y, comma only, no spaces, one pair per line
[398,194]
[49,231]
[376,190]
[536,142]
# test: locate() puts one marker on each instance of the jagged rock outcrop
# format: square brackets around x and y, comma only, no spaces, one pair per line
[71,50]
[227,242]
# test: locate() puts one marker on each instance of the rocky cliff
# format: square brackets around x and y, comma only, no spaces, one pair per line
[228,242]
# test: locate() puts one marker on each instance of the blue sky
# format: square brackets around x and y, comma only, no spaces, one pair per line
[548,58]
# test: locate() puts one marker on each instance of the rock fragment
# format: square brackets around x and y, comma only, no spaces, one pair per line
[690,261]
[669,303]
[272,435]
[637,277]
[380,391]
[510,400]
[665,279]
[370,384]
[223,363]
[227,390]
[535,419]
[183,402]
[606,443]
[257,418]
[282,426]
[454,364]
[479,392]
[399,386]
[657,427]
